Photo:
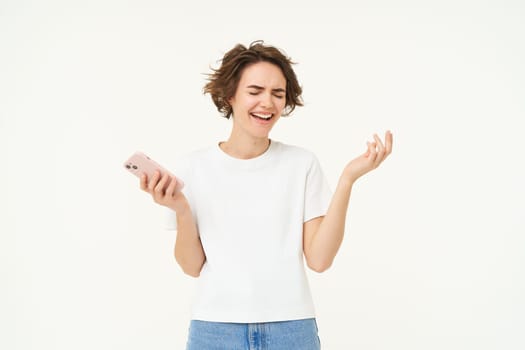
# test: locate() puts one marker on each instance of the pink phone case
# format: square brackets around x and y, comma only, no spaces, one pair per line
[139,164]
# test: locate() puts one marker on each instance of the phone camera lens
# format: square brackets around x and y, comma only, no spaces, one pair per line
[135,167]
[128,166]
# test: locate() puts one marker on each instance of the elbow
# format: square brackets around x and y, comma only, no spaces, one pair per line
[190,269]
[192,272]
[319,266]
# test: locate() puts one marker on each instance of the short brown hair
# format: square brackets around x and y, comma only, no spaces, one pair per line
[222,83]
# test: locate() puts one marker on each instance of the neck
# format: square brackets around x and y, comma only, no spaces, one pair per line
[245,148]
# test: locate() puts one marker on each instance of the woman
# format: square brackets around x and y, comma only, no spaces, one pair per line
[252,208]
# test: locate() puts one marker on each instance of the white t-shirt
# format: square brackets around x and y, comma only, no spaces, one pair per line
[250,216]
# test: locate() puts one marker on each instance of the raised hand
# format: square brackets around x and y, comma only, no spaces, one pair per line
[376,153]
[163,190]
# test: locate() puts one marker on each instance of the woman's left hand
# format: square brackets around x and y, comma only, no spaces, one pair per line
[376,153]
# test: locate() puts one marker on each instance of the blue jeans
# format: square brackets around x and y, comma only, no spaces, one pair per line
[284,335]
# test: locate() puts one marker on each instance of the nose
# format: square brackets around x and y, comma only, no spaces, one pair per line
[266,100]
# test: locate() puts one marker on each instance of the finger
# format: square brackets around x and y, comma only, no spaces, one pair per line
[170,191]
[153,181]
[389,141]
[159,189]
[144,182]
[372,152]
[380,145]
[380,151]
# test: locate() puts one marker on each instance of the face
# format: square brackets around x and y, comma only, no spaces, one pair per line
[259,100]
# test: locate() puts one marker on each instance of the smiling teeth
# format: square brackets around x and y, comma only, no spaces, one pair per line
[263,116]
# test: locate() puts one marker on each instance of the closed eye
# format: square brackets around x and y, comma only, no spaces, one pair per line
[257,93]
[256,89]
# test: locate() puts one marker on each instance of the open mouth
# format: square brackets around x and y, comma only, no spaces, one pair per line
[262,116]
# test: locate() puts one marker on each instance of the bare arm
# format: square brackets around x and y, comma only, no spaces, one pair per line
[323,236]
[188,247]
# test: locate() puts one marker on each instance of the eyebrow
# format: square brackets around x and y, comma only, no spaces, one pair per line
[257,87]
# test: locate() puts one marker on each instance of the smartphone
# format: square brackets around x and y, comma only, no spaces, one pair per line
[139,164]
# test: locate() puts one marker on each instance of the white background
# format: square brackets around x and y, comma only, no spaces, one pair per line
[433,256]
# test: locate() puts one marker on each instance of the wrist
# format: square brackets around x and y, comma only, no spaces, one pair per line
[180,205]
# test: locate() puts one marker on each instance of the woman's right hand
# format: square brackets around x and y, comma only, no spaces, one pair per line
[170,197]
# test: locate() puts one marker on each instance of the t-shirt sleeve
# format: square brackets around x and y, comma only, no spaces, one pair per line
[317,192]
